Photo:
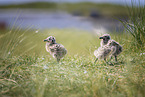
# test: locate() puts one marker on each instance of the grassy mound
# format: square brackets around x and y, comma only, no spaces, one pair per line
[27,70]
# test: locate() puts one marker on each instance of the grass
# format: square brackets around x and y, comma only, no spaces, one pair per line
[135,25]
[32,41]
[34,73]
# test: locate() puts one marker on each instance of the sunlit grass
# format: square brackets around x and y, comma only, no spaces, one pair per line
[31,41]
[31,72]
[75,76]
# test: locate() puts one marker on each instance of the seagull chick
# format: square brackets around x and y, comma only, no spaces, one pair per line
[56,50]
[108,47]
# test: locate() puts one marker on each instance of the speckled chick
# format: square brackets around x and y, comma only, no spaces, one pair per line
[56,50]
[108,47]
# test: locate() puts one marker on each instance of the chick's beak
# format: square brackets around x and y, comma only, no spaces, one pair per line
[45,40]
[100,37]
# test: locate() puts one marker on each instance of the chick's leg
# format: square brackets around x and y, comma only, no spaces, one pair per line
[115,58]
[58,60]
[96,60]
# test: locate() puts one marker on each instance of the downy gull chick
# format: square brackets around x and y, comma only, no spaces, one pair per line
[56,50]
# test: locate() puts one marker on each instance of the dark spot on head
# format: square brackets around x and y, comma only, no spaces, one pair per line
[108,37]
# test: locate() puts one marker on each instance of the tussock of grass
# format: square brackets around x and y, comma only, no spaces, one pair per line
[135,25]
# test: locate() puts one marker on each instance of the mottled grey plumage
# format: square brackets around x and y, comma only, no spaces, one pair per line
[56,50]
[102,52]
[116,48]
[108,48]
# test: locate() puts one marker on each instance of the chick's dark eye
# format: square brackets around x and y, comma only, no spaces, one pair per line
[108,38]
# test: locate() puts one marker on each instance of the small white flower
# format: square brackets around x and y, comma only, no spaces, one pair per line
[85,72]
[45,67]
[9,53]
[42,58]
[142,54]
[36,31]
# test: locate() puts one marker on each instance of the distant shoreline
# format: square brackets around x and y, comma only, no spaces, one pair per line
[116,2]
[81,9]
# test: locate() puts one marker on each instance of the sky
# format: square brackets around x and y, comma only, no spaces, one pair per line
[123,2]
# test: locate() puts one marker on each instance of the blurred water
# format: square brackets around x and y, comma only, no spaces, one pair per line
[38,19]
[42,19]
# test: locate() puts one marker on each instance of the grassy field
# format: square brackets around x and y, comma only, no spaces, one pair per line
[27,70]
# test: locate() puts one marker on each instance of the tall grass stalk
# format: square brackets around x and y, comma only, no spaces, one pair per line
[135,25]
[11,40]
